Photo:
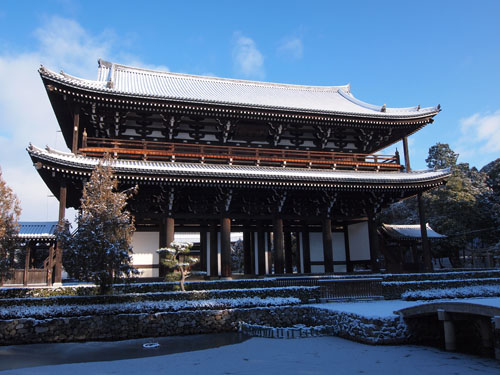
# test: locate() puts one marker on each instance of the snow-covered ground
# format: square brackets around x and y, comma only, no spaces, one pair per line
[386,308]
[321,355]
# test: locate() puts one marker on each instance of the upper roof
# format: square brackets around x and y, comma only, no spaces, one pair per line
[409,231]
[37,230]
[143,83]
[262,174]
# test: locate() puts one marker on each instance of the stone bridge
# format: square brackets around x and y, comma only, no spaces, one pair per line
[483,319]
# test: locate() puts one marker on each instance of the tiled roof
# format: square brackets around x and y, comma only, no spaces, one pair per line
[137,82]
[409,231]
[155,168]
[37,229]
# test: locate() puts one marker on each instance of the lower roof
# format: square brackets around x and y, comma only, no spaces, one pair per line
[409,231]
[260,175]
[37,230]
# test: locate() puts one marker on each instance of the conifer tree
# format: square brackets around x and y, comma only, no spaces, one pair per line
[10,210]
[177,256]
[100,249]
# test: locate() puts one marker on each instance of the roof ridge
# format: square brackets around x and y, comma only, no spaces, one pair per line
[123,67]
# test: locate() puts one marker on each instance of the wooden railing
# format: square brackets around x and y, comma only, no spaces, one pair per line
[335,289]
[196,153]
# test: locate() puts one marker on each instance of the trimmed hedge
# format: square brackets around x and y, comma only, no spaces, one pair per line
[304,294]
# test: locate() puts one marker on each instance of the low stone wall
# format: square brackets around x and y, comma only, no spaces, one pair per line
[128,326]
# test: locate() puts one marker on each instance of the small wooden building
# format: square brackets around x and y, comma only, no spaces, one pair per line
[214,155]
[36,260]
[402,246]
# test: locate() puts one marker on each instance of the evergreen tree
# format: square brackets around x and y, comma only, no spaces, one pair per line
[100,249]
[177,256]
[10,210]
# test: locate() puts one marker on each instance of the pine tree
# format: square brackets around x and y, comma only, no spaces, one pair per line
[10,210]
[177,256]
[100,249]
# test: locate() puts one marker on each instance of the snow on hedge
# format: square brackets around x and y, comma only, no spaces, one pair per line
[45,312]
[459,292]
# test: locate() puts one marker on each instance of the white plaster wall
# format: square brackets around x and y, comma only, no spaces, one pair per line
[316,244]
[338,247]
[268,266]
[317,269]
[359,243]
[144,246]
[339,268]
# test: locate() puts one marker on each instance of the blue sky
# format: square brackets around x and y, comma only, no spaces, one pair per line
[392,52]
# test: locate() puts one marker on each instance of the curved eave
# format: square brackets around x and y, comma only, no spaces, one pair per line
[93,88]
[199,174]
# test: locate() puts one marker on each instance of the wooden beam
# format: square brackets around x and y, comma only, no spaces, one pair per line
[423,232]
[306,249]
[349,267]
[167,235]
[76,125]
[327,244]
[278,245]
[407,154]
[225,237]
[59,250]
[261,251]
[288,252]
[373,240]
[214,253]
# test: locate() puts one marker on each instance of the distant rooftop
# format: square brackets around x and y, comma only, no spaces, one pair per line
[129,81]
[37,230]
[409,231]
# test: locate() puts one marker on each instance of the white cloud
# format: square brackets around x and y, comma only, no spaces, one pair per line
[482,131]
[479,137]
[247,58]
[25,111]
[292,47]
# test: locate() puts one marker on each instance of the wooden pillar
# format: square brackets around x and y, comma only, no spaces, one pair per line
[167,235]
[306,250]
[278,245]
[348,264]
[288,252]
[247,252]
[423,231]
[27,261]
[225,238]
[373,240]
[76,125]
[297,252]
[261,249]
[214,253]
[327,244]
[203,250]
[407,154]
[50,265]
[59,249]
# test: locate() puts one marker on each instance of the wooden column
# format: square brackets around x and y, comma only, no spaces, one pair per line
[297,252]
[306,249]
[225,238]
[76,125]
[278,245]
[59,249]
[261,249]
[247,253]
[423,231]
[167,235]
[407,154]
[50,265]
[214,253]
[203,250]
[288,252]
[373,240]
[27,260]
[348,263]
[327,245]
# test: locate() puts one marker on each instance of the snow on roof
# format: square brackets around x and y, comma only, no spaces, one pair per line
[124,80]
[37,229]
[409,231]
[239,171]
